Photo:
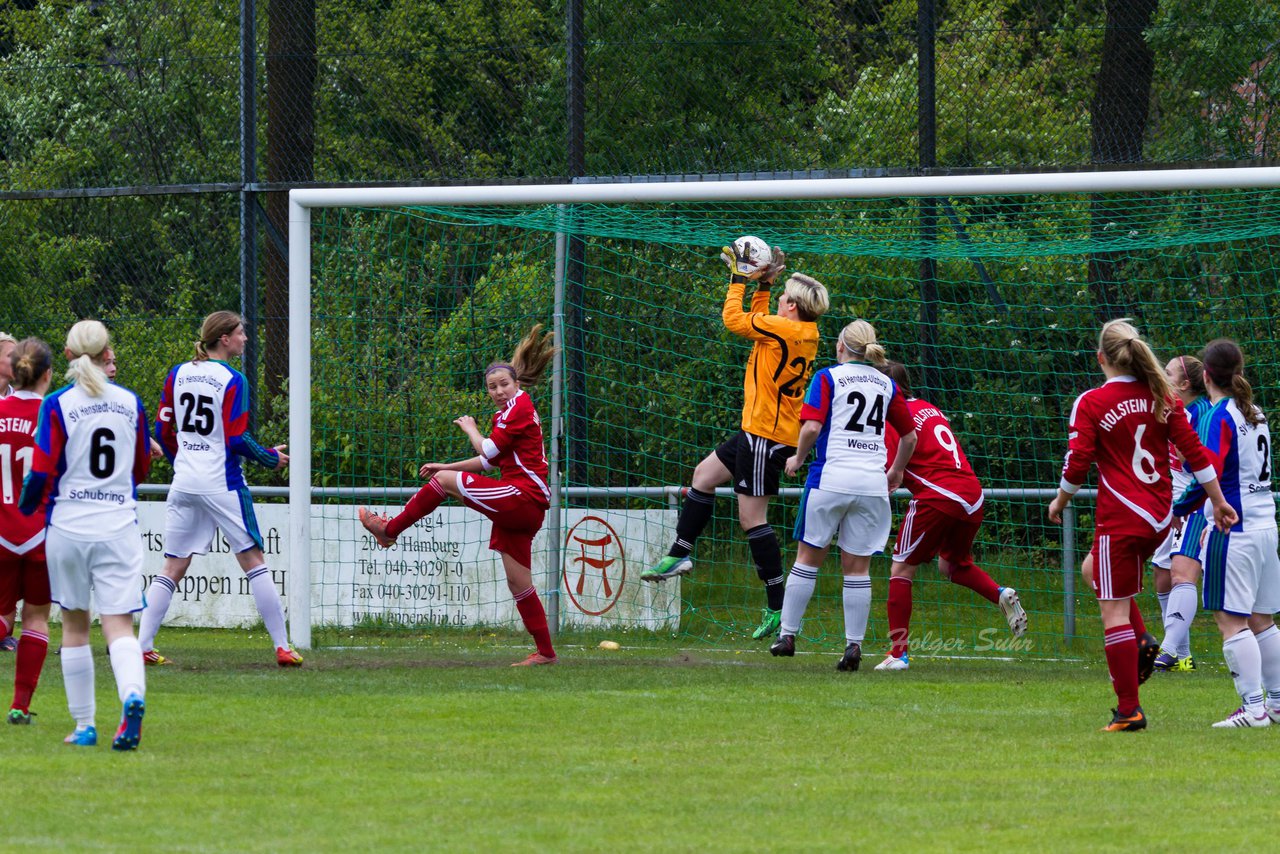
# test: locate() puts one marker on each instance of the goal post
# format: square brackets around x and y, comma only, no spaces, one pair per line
[862,225]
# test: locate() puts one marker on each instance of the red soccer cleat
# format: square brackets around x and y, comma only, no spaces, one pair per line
[377,526]
[286,657]
[151,658]
[535,659]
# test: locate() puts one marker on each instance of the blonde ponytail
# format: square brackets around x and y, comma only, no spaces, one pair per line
[87,341]
[1125,350]
[859,340]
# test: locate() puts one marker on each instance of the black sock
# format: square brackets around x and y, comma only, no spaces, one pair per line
[767,554]
[694,516]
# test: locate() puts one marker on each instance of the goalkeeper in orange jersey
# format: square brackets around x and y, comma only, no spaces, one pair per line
[785,344]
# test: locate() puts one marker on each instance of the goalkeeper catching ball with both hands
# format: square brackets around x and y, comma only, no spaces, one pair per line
[777,372]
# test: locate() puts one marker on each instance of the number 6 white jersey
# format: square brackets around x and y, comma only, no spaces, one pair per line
[853,401]
[91,453]
[202,424]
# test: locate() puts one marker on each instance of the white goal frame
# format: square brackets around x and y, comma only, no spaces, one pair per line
[302,201]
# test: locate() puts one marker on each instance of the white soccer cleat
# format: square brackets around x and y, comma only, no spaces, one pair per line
[1243,717]
[1013,612]
[892,663]
[1274,714]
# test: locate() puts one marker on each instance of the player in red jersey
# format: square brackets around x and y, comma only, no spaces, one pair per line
[1125,426]
[941,521]
[517,502]
[23,573]
[7,343]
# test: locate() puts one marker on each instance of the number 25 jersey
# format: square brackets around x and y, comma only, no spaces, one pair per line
[1115,426]
[203,425]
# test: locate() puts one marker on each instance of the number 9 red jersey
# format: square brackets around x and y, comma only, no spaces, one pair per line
[939,472]
[1115,426]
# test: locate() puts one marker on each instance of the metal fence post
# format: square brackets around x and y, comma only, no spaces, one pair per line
[1068,572]
[555,536]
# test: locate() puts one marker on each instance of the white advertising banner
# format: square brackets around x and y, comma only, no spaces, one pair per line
[440,572]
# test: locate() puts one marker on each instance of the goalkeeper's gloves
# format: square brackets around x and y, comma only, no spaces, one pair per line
[770,274]
[740,269]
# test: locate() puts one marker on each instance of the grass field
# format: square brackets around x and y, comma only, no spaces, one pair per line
[435,743]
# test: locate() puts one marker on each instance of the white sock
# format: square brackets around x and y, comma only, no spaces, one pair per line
[126,663]
[1183,601]
[1164,605]
[159,595]
[800,583]
[77,678]
[1243,657]
[1269,650]
[857,607]
[268,602]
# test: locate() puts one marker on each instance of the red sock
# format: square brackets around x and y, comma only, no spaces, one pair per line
[6,628]
[1122,661]
[1135,618]
[535,622]
[969,575]
[32,649]
[427,499]
[899,608]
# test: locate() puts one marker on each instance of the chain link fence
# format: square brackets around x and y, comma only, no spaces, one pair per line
[144,103]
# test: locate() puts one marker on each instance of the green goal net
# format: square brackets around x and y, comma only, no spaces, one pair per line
[993,302]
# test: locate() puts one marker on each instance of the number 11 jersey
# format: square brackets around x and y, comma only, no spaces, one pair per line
[202,424]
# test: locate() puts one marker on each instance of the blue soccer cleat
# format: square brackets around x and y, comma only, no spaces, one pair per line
[87,737]
[130,732]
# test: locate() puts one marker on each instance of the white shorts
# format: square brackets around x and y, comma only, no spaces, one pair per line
[190,522]
[861,521]
[1241,572]
[112,569]
[1163,558]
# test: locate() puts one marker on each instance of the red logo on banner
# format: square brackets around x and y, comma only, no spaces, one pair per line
[595,565]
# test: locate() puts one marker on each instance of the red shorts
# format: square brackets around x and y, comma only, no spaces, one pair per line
[1118,563]
[23,578]
[926,532]
[516,517]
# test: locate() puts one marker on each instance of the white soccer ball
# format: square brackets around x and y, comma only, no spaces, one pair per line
[755,250]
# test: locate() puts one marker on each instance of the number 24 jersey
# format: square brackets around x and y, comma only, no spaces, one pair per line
[854,402]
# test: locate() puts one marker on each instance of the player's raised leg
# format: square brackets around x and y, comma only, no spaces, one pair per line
[695,513]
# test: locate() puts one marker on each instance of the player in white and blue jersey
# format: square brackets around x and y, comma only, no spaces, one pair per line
[202,426]
[846,496]
[1176,564]
[1241,566]
[91,452]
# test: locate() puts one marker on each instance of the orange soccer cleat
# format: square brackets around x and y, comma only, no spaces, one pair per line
[535,659]
[377,526]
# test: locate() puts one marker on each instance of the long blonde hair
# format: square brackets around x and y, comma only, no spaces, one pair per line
[211,331]
[87,341]
[1125,350]
[859,340]
[532,356]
